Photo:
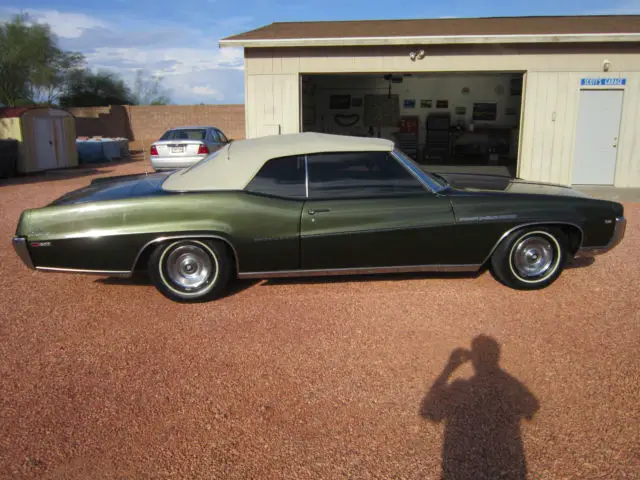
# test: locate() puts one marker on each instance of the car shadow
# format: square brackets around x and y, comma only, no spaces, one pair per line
[482,415]
[581,262]
[142,279]
[369,278]
[83,170]
[53,175]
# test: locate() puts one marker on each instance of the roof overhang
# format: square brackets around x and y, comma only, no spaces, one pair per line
[432,40]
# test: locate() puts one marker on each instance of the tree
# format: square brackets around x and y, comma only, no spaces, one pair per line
[51,81]
[32,67]
[85,88]
[147,90]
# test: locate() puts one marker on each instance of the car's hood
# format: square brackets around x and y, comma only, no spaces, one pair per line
[115,188]
[474,183]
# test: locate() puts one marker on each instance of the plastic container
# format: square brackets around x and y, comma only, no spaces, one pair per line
[101,150]
[90,151]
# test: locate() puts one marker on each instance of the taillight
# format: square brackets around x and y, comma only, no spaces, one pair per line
[203,150]
[154,150]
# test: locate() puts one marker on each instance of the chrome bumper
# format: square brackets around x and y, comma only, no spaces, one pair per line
[174,163]
[618,234]
[20,246]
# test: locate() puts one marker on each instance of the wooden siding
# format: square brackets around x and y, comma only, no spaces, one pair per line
[548,144]
[274,101]
[551,94]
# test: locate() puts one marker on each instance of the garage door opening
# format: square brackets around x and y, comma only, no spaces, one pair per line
[453,122]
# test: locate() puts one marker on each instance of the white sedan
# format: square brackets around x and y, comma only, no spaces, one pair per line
[182,147]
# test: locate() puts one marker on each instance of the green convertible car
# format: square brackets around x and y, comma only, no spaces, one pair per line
[314,204]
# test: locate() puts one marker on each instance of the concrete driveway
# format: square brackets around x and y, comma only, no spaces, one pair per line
[105,378]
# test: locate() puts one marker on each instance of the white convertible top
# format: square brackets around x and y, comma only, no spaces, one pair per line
[234,166]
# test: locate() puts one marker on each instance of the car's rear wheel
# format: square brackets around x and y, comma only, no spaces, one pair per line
[191,270]
[530,259]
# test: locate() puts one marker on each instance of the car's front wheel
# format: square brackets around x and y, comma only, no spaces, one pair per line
[530,259]
[190,270]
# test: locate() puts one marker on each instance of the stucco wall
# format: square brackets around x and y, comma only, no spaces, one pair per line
[10,128]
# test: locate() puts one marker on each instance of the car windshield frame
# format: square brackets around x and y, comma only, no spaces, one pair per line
[433,183]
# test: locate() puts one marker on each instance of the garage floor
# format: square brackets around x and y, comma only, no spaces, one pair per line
[104,378]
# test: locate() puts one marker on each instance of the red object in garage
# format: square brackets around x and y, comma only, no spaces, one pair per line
[409,124]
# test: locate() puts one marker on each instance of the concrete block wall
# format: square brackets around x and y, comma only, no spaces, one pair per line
[142,125]
[148,123]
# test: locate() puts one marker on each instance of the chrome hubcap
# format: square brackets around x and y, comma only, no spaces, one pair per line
[189,267]
[533,256]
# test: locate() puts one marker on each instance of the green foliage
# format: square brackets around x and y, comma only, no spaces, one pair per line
[148,90]
[85,88]
[32,67]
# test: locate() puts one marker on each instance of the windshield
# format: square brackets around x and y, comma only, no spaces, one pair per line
[185,134]
[436,183]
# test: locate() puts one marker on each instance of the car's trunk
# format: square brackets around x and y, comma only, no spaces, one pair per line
[178,148]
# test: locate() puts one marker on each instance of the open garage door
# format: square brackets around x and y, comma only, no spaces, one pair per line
[453,122]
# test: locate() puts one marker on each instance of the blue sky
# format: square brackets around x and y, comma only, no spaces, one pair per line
[179,39]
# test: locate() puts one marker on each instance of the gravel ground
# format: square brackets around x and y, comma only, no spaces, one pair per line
[105,378]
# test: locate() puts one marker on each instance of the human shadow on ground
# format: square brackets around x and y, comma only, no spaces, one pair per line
[481,416]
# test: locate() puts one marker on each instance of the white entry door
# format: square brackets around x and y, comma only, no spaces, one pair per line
[597,136]
[45,144]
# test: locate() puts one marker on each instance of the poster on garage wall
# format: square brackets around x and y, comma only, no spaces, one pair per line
[381,110]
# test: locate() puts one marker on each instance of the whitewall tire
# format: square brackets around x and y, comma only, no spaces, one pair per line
[190,270]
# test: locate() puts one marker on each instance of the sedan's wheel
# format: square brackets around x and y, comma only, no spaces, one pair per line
[190,270]
[530,259]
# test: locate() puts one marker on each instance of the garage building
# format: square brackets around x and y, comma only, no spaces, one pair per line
[553,99]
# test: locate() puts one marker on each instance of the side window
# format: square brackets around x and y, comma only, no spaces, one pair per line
[280,177]
[214,136]
[359,174]
[223,139]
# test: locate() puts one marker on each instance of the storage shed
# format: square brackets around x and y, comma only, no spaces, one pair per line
[47,137]
[543,98]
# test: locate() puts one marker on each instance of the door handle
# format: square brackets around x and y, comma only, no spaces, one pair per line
[319,210]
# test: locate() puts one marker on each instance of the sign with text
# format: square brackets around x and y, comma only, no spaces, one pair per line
[603,82]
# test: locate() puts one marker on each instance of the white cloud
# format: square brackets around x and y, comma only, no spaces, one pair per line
[63,24]
[165,61]
[189,60]
[207,92]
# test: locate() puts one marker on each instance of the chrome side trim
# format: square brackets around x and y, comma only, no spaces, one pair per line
[532,224]
[20,246]
[112,273]
[618,234]
[359,271]
[194,236]
[377,230]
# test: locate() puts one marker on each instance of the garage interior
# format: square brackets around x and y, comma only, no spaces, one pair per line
[466,122]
